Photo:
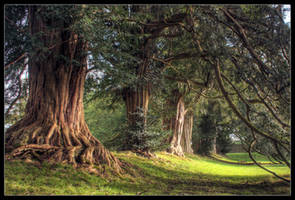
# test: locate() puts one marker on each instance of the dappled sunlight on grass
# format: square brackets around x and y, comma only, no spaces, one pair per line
[164,175]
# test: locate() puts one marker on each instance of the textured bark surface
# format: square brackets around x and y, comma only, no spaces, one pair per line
[186,139]
[175,145]
[136,101]
[53,127]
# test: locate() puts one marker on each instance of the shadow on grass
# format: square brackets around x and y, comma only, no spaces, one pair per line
[157,180]
[150,179]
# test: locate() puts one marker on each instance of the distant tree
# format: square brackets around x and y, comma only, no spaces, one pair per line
[207,134]
[223,140]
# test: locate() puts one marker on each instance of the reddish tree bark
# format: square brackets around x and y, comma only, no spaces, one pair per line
[136,101]
[54,127]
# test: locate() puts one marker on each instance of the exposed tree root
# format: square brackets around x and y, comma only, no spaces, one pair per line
[176,150]
[77,156]
[146,154]
[58,144]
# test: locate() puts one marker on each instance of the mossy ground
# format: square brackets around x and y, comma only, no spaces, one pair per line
[164,175]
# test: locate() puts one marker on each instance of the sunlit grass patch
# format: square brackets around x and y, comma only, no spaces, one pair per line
[164,175]
[244,157]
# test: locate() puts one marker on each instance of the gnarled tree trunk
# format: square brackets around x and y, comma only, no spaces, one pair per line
[186,139]
[175,146]
[53,127]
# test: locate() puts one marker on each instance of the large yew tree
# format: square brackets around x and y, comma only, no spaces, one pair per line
[53,127]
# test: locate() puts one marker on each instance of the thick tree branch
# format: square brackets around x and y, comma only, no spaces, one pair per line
[179,56]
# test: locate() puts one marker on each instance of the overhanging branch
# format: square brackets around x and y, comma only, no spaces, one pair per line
[233,107]
[241,33]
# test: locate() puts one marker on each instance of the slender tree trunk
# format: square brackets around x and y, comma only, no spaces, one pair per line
[53,127]
[213,148]
[197,145]
[218,149]
[211,110]
[186,139]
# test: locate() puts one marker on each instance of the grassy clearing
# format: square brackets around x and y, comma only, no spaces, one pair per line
[244,157]
[164,175]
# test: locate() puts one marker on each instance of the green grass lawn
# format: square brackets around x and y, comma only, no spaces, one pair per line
[164,175]
[244,157]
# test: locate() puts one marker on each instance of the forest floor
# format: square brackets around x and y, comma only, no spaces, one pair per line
[164,175]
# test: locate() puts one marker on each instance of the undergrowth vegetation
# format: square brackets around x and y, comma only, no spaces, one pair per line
[164,175]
